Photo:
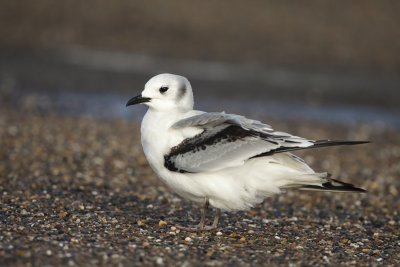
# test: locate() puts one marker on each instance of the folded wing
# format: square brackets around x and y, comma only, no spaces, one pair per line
[227,140]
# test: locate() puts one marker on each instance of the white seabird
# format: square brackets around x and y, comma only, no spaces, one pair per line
[223,160]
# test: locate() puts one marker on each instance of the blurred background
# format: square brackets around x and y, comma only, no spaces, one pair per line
[75,187]
[318,60]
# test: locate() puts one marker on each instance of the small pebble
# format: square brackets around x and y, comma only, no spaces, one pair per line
[24,212]
[159,261]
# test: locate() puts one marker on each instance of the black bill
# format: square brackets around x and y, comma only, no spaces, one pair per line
[137,100]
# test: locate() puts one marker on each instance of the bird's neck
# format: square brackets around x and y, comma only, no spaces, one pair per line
[158,137]
[154,133]
[163,119]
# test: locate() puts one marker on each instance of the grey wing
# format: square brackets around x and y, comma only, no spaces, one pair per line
[211,119]
[227,140]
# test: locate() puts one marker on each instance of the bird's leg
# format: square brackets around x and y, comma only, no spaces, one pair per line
[201,226]
[215,222]
[203,215]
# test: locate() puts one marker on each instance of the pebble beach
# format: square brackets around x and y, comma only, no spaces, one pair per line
[77,191]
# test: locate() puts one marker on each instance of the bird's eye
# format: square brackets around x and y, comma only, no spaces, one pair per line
[163,89]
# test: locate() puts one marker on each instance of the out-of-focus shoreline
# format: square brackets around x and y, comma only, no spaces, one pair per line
[78,81]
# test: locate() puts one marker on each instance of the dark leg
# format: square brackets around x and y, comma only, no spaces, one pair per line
[202,225]
[215,222]
[203,215]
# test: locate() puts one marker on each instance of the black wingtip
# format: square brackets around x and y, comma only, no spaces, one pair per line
[322,143]
[335,186]
[316,144]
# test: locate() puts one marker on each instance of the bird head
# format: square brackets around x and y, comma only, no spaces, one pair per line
[166,92]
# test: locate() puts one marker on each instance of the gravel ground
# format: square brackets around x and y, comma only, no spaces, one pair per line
[78,191]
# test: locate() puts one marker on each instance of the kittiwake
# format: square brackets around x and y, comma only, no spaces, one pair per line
[224,160]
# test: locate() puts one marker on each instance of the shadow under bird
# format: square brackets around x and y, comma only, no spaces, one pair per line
[224,160]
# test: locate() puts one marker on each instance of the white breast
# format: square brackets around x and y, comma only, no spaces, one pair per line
[158,138]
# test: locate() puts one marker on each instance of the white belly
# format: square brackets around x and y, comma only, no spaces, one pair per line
[235,188]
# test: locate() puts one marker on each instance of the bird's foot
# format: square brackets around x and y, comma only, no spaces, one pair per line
[209,227]
[202,225]
[197,228]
